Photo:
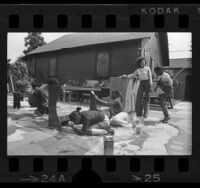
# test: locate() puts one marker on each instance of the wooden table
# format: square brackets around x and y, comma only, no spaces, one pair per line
[77,90]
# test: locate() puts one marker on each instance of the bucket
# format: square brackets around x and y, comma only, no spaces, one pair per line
[108,145]
[138,130]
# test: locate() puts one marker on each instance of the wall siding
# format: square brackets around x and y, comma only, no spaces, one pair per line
[180,80]
[152,47]
[42,68]
[123,59]
[76,65]
[81,63]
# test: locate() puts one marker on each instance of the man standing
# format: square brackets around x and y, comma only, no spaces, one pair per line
[165,90]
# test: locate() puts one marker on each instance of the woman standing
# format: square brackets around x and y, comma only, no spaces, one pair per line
[143,73]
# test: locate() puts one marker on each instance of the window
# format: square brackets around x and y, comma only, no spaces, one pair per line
[52,66]
[102,64]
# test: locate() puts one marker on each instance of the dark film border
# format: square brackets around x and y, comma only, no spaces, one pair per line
[38,19]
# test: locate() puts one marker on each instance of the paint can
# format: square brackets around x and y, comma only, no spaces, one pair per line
[108,145]
[138,128]
[131,120]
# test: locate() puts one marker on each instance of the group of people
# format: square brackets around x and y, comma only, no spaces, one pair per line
[94,120]
[164,88]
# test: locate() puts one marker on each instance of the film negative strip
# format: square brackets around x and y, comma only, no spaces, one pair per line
[87,87]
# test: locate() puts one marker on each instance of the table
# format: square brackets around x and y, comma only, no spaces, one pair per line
[77,90]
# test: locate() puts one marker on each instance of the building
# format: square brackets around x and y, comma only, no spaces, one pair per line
[96,55]
[181,72]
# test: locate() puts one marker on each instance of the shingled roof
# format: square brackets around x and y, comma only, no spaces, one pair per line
[84,39]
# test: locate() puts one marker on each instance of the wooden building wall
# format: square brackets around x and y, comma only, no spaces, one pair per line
[124,57]
[155,51]
[76,64]
[42,68]
[183,83]
[81,63]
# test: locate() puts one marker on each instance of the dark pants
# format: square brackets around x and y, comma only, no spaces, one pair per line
[170,101]
[162,98]
[16,102]
[143,98]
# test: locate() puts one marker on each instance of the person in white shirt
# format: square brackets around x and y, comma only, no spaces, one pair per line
[143,73]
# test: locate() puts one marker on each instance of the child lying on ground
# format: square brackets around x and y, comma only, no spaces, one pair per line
[93,122]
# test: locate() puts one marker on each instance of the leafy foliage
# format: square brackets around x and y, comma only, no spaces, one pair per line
[19,68]
[33,41]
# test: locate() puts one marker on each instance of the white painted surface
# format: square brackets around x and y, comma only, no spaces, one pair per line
[16,136]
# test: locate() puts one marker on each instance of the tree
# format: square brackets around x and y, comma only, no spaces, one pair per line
[33,41]
[20,74]
[19,69]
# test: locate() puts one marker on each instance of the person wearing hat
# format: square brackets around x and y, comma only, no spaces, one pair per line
[143,74]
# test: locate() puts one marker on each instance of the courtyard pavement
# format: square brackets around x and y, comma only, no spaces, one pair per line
[30,135]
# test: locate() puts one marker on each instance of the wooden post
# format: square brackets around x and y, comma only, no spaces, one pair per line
[54,120]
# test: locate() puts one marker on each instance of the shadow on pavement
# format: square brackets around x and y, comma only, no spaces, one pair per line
[150,123]
[20,116]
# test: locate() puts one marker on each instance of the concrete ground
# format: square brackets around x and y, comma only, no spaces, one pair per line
[30,135]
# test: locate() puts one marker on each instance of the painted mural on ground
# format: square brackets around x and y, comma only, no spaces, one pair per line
[29,135]
[126,142]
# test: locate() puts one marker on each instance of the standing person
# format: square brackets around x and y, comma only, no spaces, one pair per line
[164,88]
[143,73]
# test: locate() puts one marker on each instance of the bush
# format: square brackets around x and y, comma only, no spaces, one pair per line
[24,86]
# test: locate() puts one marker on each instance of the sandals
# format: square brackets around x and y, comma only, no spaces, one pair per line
[165,120]
[37,112]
